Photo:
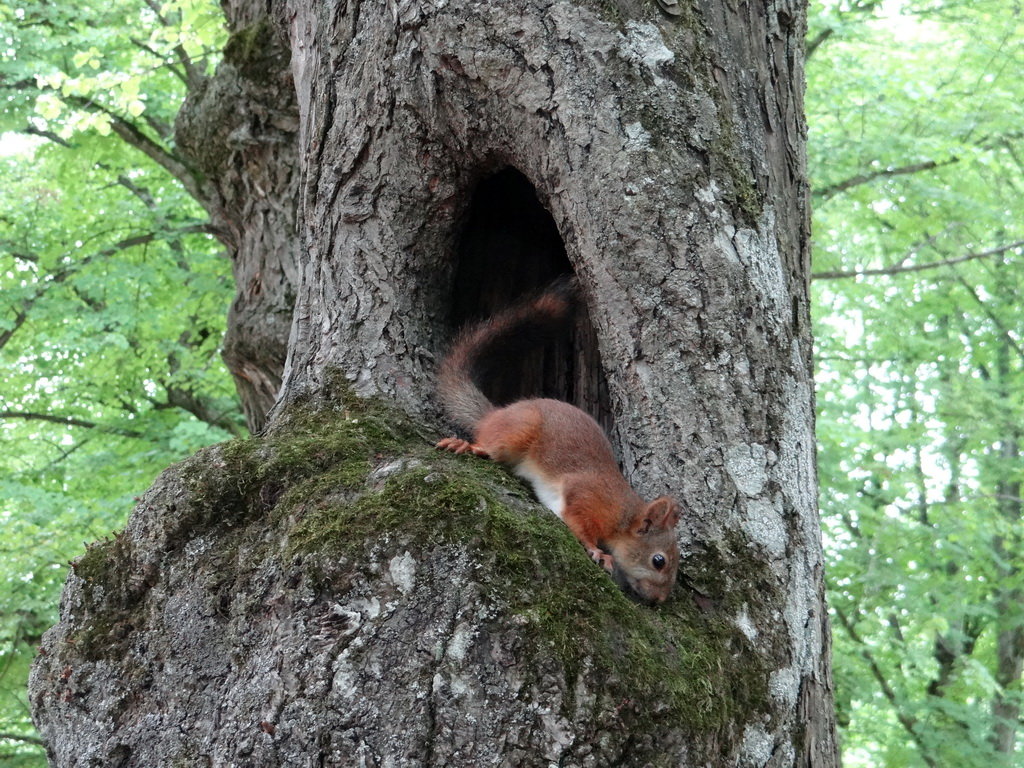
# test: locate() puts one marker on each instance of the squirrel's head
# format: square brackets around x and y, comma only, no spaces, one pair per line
[647,558]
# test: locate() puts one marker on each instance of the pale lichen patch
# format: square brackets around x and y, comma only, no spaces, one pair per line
[745,624]
[747,466]
[763,524]
[642,44]
[402,569]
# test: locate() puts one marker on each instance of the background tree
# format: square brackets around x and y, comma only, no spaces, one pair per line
[915,111]
[693,255]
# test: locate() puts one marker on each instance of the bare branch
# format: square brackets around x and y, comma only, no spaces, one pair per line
[162,129]
[70,421]
[157,10]
[863,8]
[202,408]
[66,454]
[812,45]
[181,75]
[50,135]
[132,135]
[140,192]
[889,171]
[1007,336]
[24,739]
[193,76]
[896,270]
[19,320]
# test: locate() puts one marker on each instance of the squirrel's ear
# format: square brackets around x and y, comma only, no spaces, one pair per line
[662,514]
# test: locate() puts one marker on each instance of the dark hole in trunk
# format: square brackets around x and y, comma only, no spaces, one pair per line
[510,248]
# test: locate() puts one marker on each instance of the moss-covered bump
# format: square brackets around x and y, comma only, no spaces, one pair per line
[696,663]
[337,483]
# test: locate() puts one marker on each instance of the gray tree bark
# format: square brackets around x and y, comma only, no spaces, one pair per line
[237,131]
[669,153]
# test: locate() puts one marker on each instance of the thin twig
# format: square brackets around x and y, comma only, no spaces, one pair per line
[864,178]
[26,739]
[896,270]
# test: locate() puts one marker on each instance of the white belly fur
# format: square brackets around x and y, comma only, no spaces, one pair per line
[549,493]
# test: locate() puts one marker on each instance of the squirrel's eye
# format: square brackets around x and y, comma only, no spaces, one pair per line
[658,561]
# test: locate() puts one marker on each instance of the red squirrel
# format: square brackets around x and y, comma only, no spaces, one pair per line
[559,450]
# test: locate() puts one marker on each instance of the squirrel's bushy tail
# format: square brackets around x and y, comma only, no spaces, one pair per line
[482,350]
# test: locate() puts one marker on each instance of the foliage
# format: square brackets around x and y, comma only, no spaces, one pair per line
[915,110]
[113,296]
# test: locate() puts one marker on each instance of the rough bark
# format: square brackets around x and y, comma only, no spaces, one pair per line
[238,130]
[670,155]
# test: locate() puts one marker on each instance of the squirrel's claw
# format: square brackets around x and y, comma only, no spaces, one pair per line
[458,445]
[606,561]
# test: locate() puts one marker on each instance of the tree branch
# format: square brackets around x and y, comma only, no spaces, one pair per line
[64,455]
[860,7]
[901,170]
[181,75]
[25,739]
[1007,336]
[132,135]
[140,192]
[193,76]
[947,651]
[812,45]
[202,408]
[49,135]
[19,320]
[70,421]
[162,129]
[899,269]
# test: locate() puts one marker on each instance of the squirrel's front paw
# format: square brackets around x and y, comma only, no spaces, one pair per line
[606,561]
[458,445]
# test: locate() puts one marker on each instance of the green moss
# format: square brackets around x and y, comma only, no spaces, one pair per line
[696,664]
[727,162]
[95,564]
[249,43]
[611,11]
[111,598]
[312,452]
[257,52]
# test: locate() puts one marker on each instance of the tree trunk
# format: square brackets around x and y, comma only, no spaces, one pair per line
[1009,633]
[332,593]
[238,133]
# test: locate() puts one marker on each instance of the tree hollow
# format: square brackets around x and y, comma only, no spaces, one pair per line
[508,247]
